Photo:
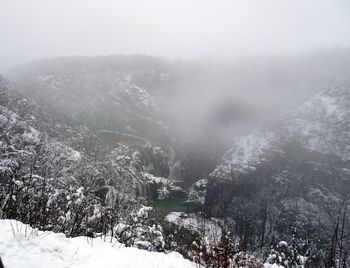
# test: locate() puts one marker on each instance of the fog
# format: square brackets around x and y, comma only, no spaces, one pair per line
[220,99]
[235,61]
[217,129]
[32,29]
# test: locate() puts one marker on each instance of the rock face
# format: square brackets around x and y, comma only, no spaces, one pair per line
[298,161]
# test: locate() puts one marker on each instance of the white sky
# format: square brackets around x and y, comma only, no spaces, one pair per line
[31,29]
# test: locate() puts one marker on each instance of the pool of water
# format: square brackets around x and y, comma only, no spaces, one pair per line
[165,206]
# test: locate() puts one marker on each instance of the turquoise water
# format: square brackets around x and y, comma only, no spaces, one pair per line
[166,206]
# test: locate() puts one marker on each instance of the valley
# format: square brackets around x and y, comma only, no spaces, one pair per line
[117,146]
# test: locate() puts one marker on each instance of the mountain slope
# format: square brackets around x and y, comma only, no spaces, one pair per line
[293,171]
[53,177]
[115,93]
[321,125]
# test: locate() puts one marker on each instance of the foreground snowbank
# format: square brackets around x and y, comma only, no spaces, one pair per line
[21,246]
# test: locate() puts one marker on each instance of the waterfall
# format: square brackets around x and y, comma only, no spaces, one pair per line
[174,166]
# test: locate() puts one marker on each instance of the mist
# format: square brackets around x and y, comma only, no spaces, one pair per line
[217,100]
[246,59]
[173,29]
[219,130]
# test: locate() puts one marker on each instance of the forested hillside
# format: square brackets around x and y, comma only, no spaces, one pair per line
[140,150]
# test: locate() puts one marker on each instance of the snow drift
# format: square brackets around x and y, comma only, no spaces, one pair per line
[22,246]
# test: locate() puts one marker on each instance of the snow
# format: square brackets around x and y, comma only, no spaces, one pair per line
[31,135]
[143,212]
[201,183]
[165,186]
[325,102]
[275,265]
[198,191]
[248,152]
[21,246]
[65,151]
[7,165]
[283,244]
[194,223]
[319,125]
[75,156]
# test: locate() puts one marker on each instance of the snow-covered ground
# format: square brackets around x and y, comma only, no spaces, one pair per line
[21,246]
[210,227]
[319,125]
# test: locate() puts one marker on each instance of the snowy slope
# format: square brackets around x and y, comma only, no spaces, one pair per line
[298,161]
[321,125]
[103,92]
[21,246]
[44,166]
[248,152]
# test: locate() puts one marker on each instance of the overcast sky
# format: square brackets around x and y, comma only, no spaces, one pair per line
[31,29]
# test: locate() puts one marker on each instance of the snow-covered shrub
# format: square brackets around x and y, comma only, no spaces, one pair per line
[141,230]
[286,255]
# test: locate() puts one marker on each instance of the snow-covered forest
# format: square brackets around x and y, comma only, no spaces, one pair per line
[210,161]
